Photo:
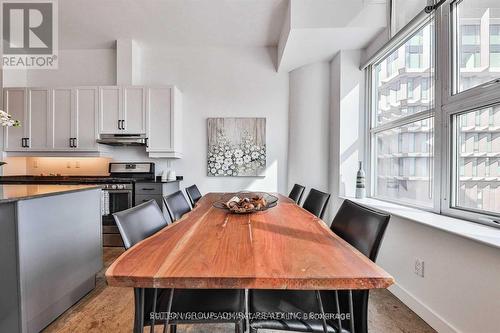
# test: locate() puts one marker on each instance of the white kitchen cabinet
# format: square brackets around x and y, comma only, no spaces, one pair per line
[62,109]
[74,119]
[52,119]
[31,107]
[38,124]
[164,132]
[85,118]
[15,105]
[122,110]
[110,110]
[134,110]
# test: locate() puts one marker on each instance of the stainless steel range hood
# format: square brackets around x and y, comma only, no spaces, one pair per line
[123,139]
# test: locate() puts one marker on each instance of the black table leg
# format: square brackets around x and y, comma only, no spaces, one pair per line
[139,311]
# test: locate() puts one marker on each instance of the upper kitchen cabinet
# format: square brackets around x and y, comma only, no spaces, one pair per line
[15,105]
[134,110]
[110,110]
[85,115]
[52,119]
[122,110]
[164,130]
[29,106]
[38,124]
[74,119]
[62,105]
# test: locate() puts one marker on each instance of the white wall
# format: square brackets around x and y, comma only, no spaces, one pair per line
[347,124]
[309,126]
[459,291]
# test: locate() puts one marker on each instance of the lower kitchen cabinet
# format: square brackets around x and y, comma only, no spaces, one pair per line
[145,191]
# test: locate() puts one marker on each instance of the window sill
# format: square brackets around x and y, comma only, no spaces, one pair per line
[474,231]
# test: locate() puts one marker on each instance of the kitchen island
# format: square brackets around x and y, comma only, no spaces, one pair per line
[50,251]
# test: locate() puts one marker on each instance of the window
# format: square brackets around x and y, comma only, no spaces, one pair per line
[463,178]
[476,43]
[403,136]
[409,88]
[473,168]
[495,45]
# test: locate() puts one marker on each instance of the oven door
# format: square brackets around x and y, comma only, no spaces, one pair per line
[114,201]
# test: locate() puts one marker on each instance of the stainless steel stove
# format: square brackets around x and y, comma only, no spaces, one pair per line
[118,195]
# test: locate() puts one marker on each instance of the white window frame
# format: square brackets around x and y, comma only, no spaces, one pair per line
[447,105]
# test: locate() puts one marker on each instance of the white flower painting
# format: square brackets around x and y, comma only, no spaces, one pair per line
[236,147]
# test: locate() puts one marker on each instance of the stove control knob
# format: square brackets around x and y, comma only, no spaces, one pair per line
[114,186]
[121,187]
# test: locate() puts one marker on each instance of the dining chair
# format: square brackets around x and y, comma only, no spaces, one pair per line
[316,202]
[139,222]
[177,205]
[364,229]
[193,194]
[361,227]
[143,221]
[296,193]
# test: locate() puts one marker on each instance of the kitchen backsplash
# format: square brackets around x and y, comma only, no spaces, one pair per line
[66,166]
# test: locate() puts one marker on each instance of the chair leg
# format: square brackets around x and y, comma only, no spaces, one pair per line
[173,328]
[253,330]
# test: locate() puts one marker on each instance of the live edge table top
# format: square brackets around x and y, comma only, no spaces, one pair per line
[284,247]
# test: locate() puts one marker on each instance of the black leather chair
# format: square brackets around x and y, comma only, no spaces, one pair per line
[193,194]
[361,227]
[139,222]
[296,193]
[142,221]
[316,202]
[177,205]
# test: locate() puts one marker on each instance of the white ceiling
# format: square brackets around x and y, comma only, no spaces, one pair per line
[98,23]
[321,28]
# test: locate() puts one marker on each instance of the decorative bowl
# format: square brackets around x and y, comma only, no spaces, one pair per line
[270,201]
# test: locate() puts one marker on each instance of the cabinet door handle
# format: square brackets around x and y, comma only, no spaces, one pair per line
[146,141]
[123,124]
[75,143]
[119,124]
[27,142]
[147,189]
[23,142]
[71,142]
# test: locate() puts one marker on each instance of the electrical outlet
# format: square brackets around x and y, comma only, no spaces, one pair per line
[68,165]
[77,164]
[419,267]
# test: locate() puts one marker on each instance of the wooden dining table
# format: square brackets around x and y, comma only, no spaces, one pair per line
[284,247]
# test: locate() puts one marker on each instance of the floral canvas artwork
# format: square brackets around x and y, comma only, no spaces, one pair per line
[236,147]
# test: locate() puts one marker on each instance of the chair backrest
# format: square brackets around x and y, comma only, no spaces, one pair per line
[296,193]
[361,227]
[316,202]
[193,194]
[139,222]
[177,205]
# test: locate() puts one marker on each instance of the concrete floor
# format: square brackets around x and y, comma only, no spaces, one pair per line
[108,309]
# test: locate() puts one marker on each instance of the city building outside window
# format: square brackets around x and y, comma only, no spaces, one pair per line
[477,42]
[406,145]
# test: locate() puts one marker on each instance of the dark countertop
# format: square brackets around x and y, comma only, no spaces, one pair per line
[31,179]
[11,193]
[158,180]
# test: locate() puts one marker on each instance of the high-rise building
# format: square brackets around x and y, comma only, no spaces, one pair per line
[404,86]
